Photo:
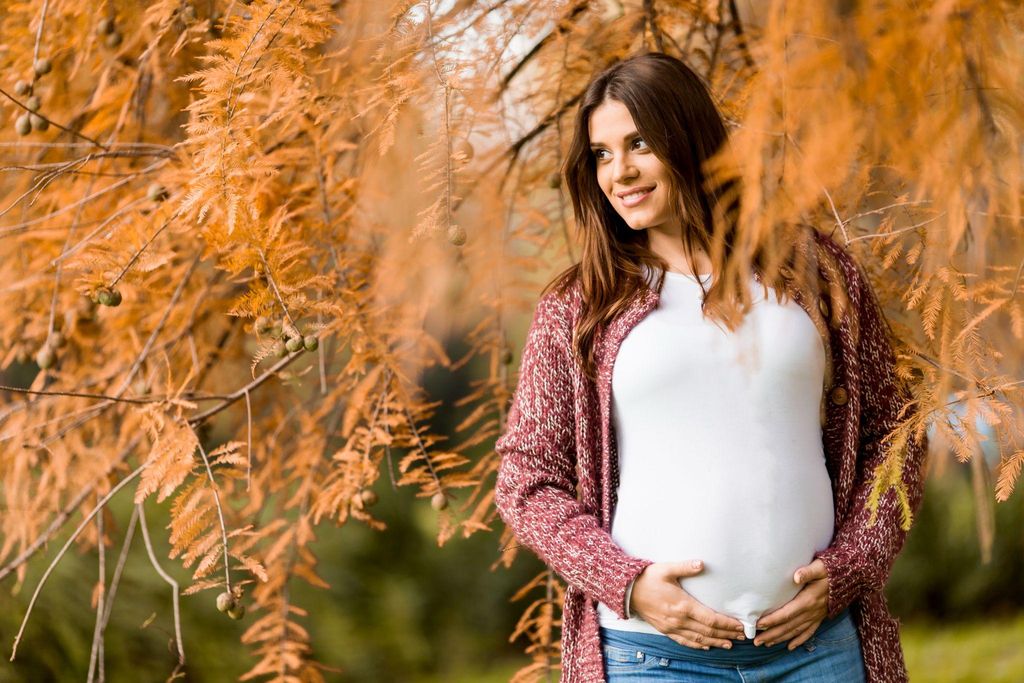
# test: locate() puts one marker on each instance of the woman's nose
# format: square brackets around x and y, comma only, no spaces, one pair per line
[624,170]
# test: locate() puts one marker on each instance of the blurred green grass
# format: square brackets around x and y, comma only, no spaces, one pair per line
[989,651]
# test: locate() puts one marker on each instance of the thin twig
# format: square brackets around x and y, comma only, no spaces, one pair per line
[107,221]
[110,188]
[99,506]
[245,52]
[166,577]
[78,394]
[273,283]
[220,514]
[100,408]
[882,209]
[97,633]
[138,252]
[12,98]
[248,447]
[39,185]
[895,232]
[239,393]
[122,560]
[39,30]
[64,515]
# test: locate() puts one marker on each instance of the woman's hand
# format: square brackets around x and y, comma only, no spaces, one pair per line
[800,617]
[659,600]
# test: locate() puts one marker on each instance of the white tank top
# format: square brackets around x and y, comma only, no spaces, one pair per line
[720,450]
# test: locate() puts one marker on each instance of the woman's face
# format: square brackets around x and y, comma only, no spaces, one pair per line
[625,165]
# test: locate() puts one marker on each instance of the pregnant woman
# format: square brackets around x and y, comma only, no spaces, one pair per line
[693,455]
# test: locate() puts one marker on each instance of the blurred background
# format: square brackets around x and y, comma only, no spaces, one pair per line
[398,607]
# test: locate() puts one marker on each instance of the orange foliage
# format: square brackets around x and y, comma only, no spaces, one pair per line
[366,179]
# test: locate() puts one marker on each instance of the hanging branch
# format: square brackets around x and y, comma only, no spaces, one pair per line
[39,587]
[220,515]
[170,580]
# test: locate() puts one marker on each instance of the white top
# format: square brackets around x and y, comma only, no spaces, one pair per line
[720,450]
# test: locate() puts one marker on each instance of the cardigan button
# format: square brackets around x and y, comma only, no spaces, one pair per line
[839,396]
[823,307]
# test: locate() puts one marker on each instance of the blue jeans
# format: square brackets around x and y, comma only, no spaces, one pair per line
[831,654]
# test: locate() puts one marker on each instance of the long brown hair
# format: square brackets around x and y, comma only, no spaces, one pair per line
[677,118]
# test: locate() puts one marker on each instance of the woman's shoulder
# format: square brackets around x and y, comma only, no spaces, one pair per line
[562,298]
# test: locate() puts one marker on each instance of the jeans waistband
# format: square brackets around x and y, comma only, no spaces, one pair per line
[742,652]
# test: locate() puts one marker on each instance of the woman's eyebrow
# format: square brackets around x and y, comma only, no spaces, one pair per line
[625,138]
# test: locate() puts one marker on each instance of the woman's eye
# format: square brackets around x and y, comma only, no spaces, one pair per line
[597,152]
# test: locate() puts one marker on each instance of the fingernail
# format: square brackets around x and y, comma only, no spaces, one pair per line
[741,638]
[728,646]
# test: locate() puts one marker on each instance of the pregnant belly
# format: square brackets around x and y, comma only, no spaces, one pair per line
[751,541]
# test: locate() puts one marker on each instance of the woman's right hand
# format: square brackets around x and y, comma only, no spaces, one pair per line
[659,600]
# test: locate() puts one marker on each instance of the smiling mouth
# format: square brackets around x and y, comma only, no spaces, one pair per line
[635,198]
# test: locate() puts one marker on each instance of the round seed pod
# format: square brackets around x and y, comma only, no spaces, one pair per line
[463,146]
[46,357]
[368,497]
[33,103]
[554,180]
[293,344]
[113,40]
[457,235]
[280,349]
[42,66]
[105,26]
[22,88]
[226,601]
[310,342]
[237,611]
[115,298]
[57,339]
[23,124]
[38,123]
[439,501]
[157,192]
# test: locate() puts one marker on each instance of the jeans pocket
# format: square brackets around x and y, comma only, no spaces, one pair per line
[843,632]
[621,659]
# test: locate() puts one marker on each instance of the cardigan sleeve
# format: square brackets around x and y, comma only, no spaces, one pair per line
[860,557]
[535,492]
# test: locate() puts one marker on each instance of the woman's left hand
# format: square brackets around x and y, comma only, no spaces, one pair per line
[800,617]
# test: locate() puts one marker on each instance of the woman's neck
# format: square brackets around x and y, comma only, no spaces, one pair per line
[670,248]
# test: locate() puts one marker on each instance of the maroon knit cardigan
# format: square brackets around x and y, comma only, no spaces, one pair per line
[558,479]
